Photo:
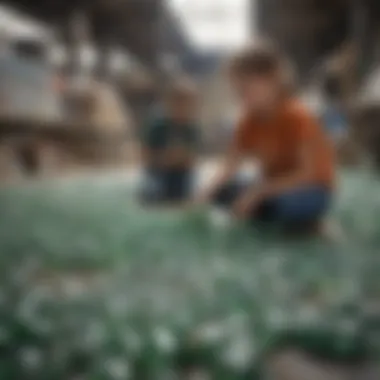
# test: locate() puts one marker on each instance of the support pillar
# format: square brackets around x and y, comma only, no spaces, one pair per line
[361,32]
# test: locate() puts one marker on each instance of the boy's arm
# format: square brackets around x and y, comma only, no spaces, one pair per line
[229,167]
[191,150]
[303,174]
[227,170]
[230,164]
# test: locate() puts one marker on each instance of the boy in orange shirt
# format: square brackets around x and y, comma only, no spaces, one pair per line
[295,155]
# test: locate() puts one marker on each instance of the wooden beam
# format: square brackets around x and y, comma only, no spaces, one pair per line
[59,130]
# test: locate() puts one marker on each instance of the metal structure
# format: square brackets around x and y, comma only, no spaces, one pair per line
[131,24]
[310,30]
[145,28]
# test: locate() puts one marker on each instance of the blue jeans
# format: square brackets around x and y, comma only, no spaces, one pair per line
[297,206]
[162,186]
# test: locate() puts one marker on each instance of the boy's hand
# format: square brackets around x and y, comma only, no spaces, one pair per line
[245,204]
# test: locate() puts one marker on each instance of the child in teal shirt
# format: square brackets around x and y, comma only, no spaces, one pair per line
[169,147]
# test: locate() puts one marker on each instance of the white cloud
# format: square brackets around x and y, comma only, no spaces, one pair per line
[214,23]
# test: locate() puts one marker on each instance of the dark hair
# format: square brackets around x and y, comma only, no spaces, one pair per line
[261,59]
[264,59]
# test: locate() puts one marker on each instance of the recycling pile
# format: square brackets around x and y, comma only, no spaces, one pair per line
[93,287]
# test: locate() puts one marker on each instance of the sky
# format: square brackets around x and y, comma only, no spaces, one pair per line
[210,24]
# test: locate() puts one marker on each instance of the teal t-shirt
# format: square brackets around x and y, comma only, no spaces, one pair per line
[163,133]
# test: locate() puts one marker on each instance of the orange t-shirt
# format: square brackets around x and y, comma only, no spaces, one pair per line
[277,142]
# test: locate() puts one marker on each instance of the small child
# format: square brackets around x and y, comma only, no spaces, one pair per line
[169,147]
[294,152]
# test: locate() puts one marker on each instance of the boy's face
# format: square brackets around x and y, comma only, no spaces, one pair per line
[183,108]
[257,93]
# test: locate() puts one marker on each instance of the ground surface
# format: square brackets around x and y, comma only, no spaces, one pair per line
[78,255]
